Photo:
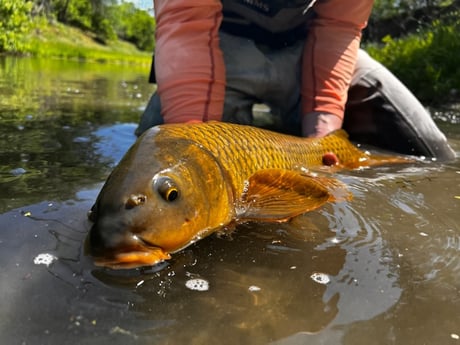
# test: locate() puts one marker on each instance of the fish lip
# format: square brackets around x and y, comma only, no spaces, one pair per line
[140,253]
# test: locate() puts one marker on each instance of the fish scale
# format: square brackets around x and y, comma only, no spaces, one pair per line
[243,150]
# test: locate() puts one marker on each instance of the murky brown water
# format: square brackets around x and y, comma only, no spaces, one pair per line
[383,268]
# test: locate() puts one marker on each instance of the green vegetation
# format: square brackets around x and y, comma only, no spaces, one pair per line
[14,24]
[423,47]
[427,61]
[100,30]
[68,42]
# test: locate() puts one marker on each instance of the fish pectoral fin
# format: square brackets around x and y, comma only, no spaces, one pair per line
[278,195]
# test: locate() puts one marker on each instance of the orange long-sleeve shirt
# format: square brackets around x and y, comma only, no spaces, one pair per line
[330,54]
[190,69]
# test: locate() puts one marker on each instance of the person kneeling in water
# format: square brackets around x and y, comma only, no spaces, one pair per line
[215,59]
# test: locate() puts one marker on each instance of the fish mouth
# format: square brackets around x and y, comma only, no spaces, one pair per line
[136,253]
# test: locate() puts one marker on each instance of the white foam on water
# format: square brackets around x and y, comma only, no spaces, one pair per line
[197,284]
[44,259]
[320,278]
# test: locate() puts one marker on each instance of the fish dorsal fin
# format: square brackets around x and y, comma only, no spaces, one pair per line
[278,195]
[341,133]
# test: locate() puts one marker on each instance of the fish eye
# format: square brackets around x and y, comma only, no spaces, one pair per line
[167,189]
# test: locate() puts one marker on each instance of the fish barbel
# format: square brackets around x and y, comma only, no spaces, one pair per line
[181,182]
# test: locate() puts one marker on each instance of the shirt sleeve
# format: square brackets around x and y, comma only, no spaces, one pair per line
[189,64]
[330,54]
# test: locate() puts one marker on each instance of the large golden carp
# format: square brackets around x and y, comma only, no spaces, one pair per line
[180,183]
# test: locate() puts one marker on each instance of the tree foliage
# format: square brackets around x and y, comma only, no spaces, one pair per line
[427,62]
[104,19]
[108,20]
[14,24]
[134,25]
[384,9]
[401,18]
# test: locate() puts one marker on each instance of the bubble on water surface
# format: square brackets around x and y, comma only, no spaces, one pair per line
[320,278]
[17,171]
[44,259]
[197,284]
[80,140]
[254,288]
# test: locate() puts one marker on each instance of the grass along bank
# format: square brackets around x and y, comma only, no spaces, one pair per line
[61,41]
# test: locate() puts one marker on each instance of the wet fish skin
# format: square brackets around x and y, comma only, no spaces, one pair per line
[180,182]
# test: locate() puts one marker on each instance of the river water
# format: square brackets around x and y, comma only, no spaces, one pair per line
[383,268]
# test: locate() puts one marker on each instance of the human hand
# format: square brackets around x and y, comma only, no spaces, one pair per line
[194,121]
[318,124]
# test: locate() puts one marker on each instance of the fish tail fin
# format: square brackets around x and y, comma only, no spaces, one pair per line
[383,159]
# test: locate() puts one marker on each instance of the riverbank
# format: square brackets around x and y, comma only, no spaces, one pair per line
[426,61]
[60,41]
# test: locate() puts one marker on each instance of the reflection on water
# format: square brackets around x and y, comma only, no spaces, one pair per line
[52,115]
[383,268]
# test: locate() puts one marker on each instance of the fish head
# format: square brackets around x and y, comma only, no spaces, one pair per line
[165,194]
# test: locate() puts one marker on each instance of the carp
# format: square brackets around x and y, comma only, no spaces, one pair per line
[179,183]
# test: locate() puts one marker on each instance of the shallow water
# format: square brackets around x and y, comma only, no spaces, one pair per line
[383,268]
